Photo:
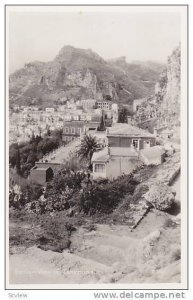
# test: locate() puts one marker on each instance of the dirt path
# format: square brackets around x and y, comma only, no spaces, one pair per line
[108,254]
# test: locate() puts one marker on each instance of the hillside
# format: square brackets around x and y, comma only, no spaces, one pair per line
[80,74]
[168,91]
[164,106]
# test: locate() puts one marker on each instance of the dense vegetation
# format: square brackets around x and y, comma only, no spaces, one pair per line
[23,156]
[123,115]
[73,191]
[105,195]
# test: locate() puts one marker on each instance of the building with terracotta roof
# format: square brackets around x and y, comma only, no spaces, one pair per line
[126,135]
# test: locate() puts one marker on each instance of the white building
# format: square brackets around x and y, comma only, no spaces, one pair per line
[50,109]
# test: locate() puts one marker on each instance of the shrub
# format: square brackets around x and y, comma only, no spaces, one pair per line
[20,196]
[56,234]
[160,196]
[104,197]
[59,193]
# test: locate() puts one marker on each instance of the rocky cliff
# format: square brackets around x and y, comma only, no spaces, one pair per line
[168,91]
[81,74]
[164,106]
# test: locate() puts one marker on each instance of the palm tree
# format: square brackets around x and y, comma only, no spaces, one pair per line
[88,146]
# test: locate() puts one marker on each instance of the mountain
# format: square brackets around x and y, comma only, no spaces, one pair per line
[168,91]
[164,106]
[81,74]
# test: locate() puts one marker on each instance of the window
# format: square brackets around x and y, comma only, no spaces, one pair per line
[135,144]
[100,168]
[66,130]
[79,130]
[72,130]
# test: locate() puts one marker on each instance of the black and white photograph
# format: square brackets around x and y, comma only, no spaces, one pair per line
[96,147]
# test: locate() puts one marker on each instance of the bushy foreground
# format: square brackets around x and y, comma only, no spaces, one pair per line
[73,191]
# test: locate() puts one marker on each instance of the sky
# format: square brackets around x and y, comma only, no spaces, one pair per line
[139,35]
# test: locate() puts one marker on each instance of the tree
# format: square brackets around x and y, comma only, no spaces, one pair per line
[32,138]
[88,146]
[32,157]
[48,132]
[107,98]
[13,154]
[102,123]
[123,115]
[18,162]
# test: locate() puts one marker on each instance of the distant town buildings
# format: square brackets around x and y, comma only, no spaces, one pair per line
[104,104]
[50,109]
[88,104]
[26,121]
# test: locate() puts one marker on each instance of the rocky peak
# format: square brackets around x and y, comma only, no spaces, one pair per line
[80,74]
[164,106]
[169,89]
[68,53]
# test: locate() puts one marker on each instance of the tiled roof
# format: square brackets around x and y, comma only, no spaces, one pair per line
[106,153]
[120,129]
[101,155]
[122,151]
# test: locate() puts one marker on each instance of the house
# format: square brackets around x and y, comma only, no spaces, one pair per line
[75,128]
[126,135]
[104,104]
[123,154]
[154,155]
[113,162]
[50,109]
[41,175]
[88,104]
[72,129]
